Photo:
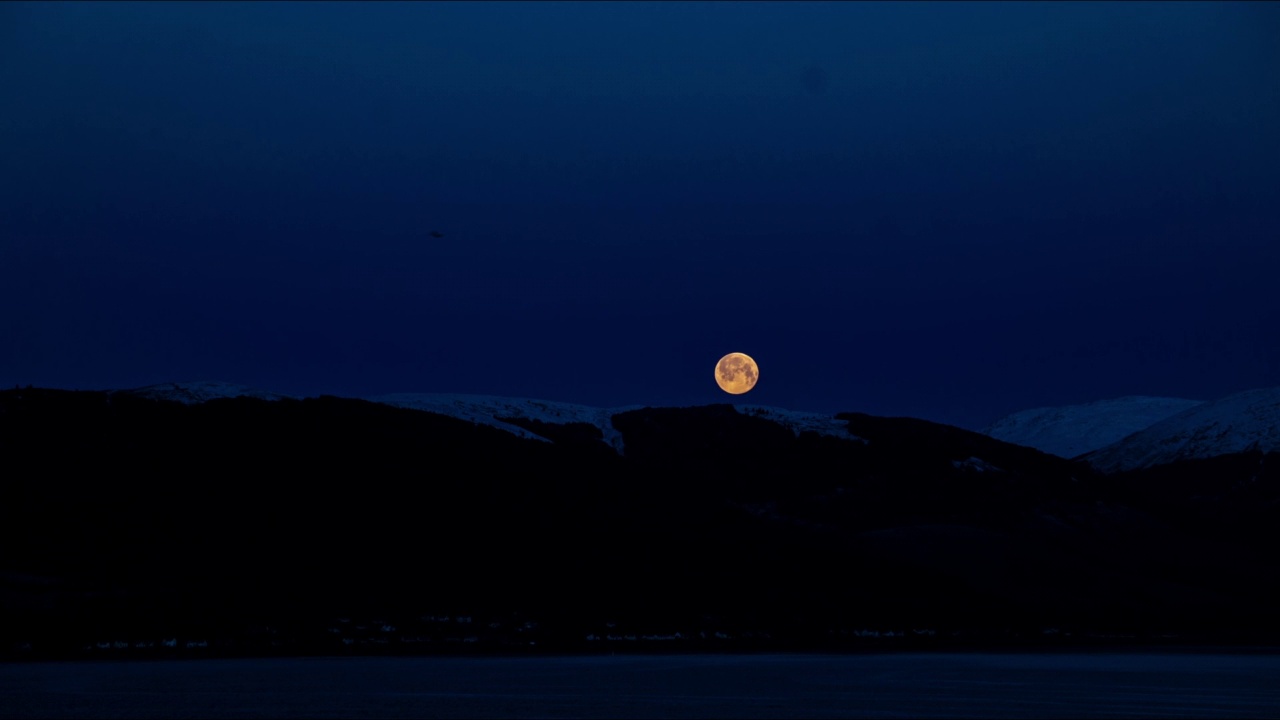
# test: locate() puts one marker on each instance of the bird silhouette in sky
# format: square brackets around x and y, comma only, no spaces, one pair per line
[437,234]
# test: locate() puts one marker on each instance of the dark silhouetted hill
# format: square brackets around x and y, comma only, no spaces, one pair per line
[286,525]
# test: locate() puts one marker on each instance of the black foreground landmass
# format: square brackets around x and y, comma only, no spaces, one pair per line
[142,528]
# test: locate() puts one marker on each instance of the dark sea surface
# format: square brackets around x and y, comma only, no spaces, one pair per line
[766,686]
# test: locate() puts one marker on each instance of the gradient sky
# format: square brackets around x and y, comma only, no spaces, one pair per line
[950,211]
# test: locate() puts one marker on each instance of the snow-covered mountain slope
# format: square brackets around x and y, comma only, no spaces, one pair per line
[487,409]
[1073,430]
[194,393]
[1237,423]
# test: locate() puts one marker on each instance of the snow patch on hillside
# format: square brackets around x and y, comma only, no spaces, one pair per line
[976,464]
[486,409]
[1242,422]
[194,393]
[1073,430]
[798,421]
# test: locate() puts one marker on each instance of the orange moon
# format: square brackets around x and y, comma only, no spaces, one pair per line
[737,373]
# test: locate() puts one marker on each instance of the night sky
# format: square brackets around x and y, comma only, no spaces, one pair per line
[949,211]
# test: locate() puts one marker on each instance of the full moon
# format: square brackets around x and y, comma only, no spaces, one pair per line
[737,373]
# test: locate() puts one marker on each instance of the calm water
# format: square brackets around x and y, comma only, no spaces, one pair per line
[935,685]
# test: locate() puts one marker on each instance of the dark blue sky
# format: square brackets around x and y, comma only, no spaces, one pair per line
[951,211]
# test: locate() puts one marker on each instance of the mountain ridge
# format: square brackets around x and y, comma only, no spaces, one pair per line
[146,517]
[1248,421]
[1072,430]
[494,410]
[1114,435]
